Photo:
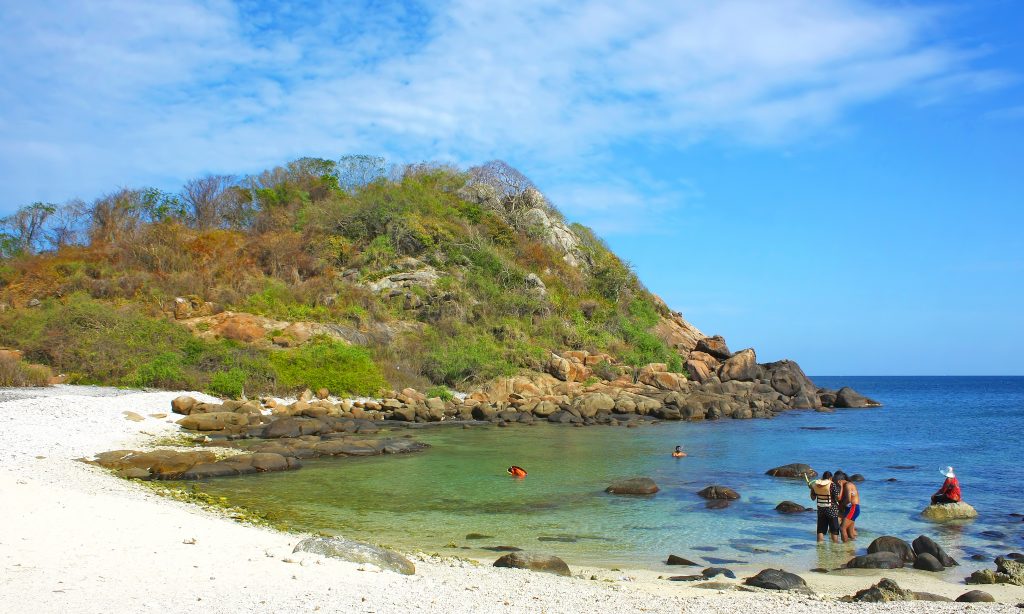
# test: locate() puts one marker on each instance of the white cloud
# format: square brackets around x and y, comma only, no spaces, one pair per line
[98,94]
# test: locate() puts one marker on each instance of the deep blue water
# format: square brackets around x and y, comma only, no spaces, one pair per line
[433,499]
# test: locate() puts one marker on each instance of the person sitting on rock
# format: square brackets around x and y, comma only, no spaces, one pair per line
[950,491]
[678,452]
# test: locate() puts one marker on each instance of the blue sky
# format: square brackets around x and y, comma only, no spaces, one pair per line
[834,181]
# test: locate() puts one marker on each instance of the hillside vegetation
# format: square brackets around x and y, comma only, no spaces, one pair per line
[422,276]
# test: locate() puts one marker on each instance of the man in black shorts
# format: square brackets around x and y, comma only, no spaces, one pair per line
[825,493]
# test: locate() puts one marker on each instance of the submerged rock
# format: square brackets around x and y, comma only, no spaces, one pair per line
[792,470]
[777,580]
[357,552]
[789,507]
[633,486]
[534,562]
[719,492]
[941,512]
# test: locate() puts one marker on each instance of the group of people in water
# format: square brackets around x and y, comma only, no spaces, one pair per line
[836,498]
[838,502]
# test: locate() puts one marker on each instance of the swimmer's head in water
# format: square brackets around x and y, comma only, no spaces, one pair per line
[678,448]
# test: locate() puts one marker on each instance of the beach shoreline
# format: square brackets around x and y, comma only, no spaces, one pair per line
[79,539]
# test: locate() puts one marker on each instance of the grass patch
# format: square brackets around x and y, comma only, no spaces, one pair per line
[15,373]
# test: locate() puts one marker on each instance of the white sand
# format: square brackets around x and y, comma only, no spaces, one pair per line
[75,539]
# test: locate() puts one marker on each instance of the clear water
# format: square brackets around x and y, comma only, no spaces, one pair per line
[432,500]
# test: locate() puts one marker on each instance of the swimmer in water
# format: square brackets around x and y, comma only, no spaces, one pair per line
[678,453]
[516,471]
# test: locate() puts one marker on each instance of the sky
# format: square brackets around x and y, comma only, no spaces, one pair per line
[834,181]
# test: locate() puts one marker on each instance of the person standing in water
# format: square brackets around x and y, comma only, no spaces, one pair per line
[849,500]
[825,493]
[678,452]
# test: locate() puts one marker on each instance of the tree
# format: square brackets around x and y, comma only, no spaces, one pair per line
[356,171]
[209,200]
[66,224]
[24,229]
[514,191]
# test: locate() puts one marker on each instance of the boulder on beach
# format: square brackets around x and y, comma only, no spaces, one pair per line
[678,560]
[924,545]
[357,552]
[183,405]
[776,580]
[886,590]
[712,572]
[633,486]
[927,562]
[214,421]
[876,560]
[1013,570]
[942,512]
[534,562]
[976,596]
[792,470]
[719,492]
[888,543]
[789,507]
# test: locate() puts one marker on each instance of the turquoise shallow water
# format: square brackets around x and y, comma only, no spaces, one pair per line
[432,500]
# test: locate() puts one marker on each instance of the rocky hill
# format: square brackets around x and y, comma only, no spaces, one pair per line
[344,276]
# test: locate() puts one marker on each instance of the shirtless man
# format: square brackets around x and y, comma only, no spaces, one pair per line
[850,501]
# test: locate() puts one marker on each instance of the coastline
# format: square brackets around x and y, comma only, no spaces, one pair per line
[79,539]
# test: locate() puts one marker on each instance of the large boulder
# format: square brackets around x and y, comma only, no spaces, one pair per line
[793,470]
[927,562]
[183,405]
[885,590]
[888,543]
[942,512]
[876,560]
[848,397]
[788,379]
[719,492]
[593,403]
[292,427]
[715,346]
[776,580]
[534,562]
[741,366]
[357,552]
[214,421]
[633,486]
[976,596]
[698,370]
[924,545]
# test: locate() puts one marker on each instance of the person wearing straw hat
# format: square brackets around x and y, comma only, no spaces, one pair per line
[950,491]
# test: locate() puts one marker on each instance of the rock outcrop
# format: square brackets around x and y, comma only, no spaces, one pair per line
[633,486]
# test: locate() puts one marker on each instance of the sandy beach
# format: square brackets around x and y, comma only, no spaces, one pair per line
[77,539]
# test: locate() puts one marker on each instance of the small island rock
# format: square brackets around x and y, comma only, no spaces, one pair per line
[792,470]
[789,507]
[942,512]
[633,486]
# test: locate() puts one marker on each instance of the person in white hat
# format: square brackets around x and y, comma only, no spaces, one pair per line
[950,491]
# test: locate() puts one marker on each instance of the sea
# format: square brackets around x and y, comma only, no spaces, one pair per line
[434,501]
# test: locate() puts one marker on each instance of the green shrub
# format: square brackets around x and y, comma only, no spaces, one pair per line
[440,392]
[164,370]
[230,383]
[455,360]
[325,363]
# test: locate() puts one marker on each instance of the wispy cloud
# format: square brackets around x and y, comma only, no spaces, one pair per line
[100,93]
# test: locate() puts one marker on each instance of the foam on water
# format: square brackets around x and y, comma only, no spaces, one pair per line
[433,499]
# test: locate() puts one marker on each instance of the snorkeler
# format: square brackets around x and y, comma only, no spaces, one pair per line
[678,452]
[516,471]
